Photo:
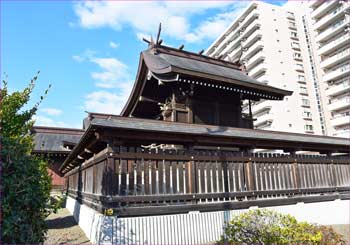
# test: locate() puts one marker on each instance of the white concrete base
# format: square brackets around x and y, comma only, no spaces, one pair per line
[191,228]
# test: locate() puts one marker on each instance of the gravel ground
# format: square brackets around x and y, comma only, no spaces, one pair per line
[64,230]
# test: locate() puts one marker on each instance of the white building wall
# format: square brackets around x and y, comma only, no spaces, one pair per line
[333,17]
[190,228]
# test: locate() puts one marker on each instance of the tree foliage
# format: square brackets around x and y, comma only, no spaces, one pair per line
[25,181]
[262,226]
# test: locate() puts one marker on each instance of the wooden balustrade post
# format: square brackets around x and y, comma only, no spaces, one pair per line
[250,183]
[334,174]
[295,173]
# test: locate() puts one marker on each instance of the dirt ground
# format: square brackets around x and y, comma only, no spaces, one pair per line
[64,230]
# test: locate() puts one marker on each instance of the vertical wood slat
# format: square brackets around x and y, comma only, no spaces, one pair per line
[295,173]
[220,176]
[214,179]
[263,176]
[272,169]
[174,176]
[161,177]
[242,180]
[202,176]
[187,177]
[146,177]
[209,177]
[313,175]
[258,180]
[236,169]
[277,174]
[230,169]
[226,176]
[123,168]
[181,177]
[139,177]
[267,171]
[167,177]
[154,177]
[131,172]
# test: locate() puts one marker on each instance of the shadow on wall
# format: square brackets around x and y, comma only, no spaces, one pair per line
[110,229]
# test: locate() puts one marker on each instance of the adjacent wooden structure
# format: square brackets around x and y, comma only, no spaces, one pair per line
[54,144]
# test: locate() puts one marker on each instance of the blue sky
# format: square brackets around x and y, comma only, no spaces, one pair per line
[89,51]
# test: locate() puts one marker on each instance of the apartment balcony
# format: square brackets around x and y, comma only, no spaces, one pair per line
[314,4]
[335,59]
[339,104]
[299,68]
[296,47]
[323,9]
[263,106]
[342,133]
[337,73]
[332,31]
[340,121]
[234,38]
[294,37]
[298,58]
[233,45]
[338,89]
[290,16]
[252,39]
[255,59]
[252,50]
[257,70]
[263,119]
[334,45]
[234,48]
[331,17]
[292,26]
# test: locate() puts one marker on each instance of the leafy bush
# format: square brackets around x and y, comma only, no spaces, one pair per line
[25,181]
[262,226]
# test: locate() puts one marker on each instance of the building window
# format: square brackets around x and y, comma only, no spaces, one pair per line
[297,55]
[294,34]
[301,78]
[305,102]
[308,127]
[307,114]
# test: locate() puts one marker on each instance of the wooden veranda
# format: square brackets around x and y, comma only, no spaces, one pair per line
[193,175]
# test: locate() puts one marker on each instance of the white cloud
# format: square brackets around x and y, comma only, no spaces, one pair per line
[113,44]
[87,55]
[51,111]
[107,102]
[113,75]
[46,121]
[144,17]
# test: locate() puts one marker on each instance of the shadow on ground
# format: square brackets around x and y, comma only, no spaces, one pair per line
[64,230]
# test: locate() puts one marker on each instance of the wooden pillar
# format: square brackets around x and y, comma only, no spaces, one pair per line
[250,181]
[189,105]
[296,175]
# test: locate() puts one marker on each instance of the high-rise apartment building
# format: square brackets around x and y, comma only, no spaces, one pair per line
[331,30]
[280,46]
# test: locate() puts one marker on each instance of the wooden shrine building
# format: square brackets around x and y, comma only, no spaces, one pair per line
[182,144]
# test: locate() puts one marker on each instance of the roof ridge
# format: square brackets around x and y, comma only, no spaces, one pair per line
[195,56]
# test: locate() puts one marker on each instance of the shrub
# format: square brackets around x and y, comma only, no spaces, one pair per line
[25,182]
[262,226]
